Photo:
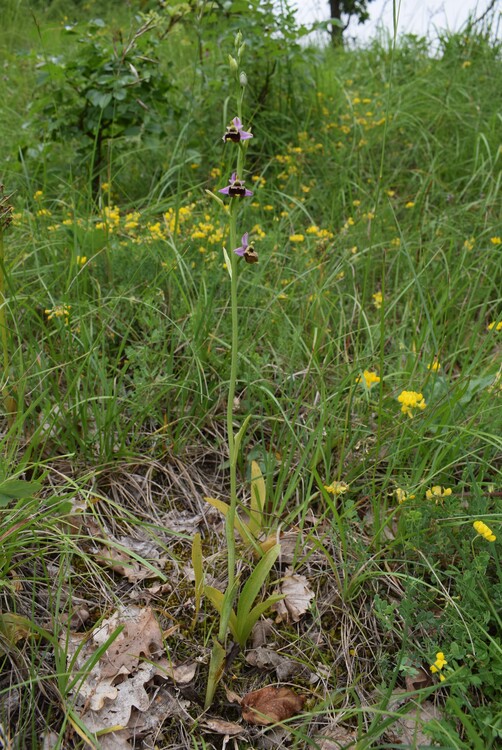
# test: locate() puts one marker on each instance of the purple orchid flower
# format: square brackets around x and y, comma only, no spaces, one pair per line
[247,251]
[235,188]
[235,133]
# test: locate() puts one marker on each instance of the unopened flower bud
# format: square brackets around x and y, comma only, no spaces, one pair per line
[234,65]
[238,39]
[241,50]
[243,79]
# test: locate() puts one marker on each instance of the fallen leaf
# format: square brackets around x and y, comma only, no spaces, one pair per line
[337,738]
[266,658]
[116,690]
[181,674]
[420,678]
[141,637]
[181,522]
[13,628]
[122,562]
[261,631]
[223,727]
[270,705]
[232,697]
[408,730]
[297,597]
[156,591]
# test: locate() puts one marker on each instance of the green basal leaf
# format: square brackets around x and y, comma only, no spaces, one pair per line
[216,597]
[254,583]
[197,564]
[17,489]
[246,627]
[216,667]
[258,497]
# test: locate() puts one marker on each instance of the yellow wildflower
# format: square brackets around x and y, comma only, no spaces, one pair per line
[484,531]
[438,665]
[370,378]
[132,221]
[410,204]
[402,496]
[437,493]
[44,212]
[494,325]
[336,488]
[378,299]
[38,194]
[496,240]
[59,311]
[469,244]
[410,400]
[296,238]
[434,366]
[466,64]
[81,260]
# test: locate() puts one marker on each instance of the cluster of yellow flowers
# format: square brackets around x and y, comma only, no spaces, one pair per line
[484,531]
[322,234]
[369,378]
[337,488]
[402,495]
[111,219]
[59,311]
[438,665]
[437,493]
[411,400]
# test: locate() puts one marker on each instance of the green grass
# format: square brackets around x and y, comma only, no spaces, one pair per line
[379,174]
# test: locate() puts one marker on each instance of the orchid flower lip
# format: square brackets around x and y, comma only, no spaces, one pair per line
[247,251]
[236,133]
[235,188]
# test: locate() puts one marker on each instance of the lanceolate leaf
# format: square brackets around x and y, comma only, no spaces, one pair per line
[251,590]
[247,626]
[216,598]
[258,498]
[198,573]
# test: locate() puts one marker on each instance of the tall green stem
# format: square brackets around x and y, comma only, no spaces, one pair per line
[230,519]
[3,322]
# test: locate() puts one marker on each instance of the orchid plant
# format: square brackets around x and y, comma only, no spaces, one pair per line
[238,619]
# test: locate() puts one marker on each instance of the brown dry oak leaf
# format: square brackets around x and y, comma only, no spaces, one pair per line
[270,705]
[297,597]
[218,726]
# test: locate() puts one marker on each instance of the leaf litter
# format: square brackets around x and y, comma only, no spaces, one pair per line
[117,689]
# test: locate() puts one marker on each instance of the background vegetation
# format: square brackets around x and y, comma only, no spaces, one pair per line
[376,217]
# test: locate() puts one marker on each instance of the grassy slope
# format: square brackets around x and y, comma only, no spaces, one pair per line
[381,177]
